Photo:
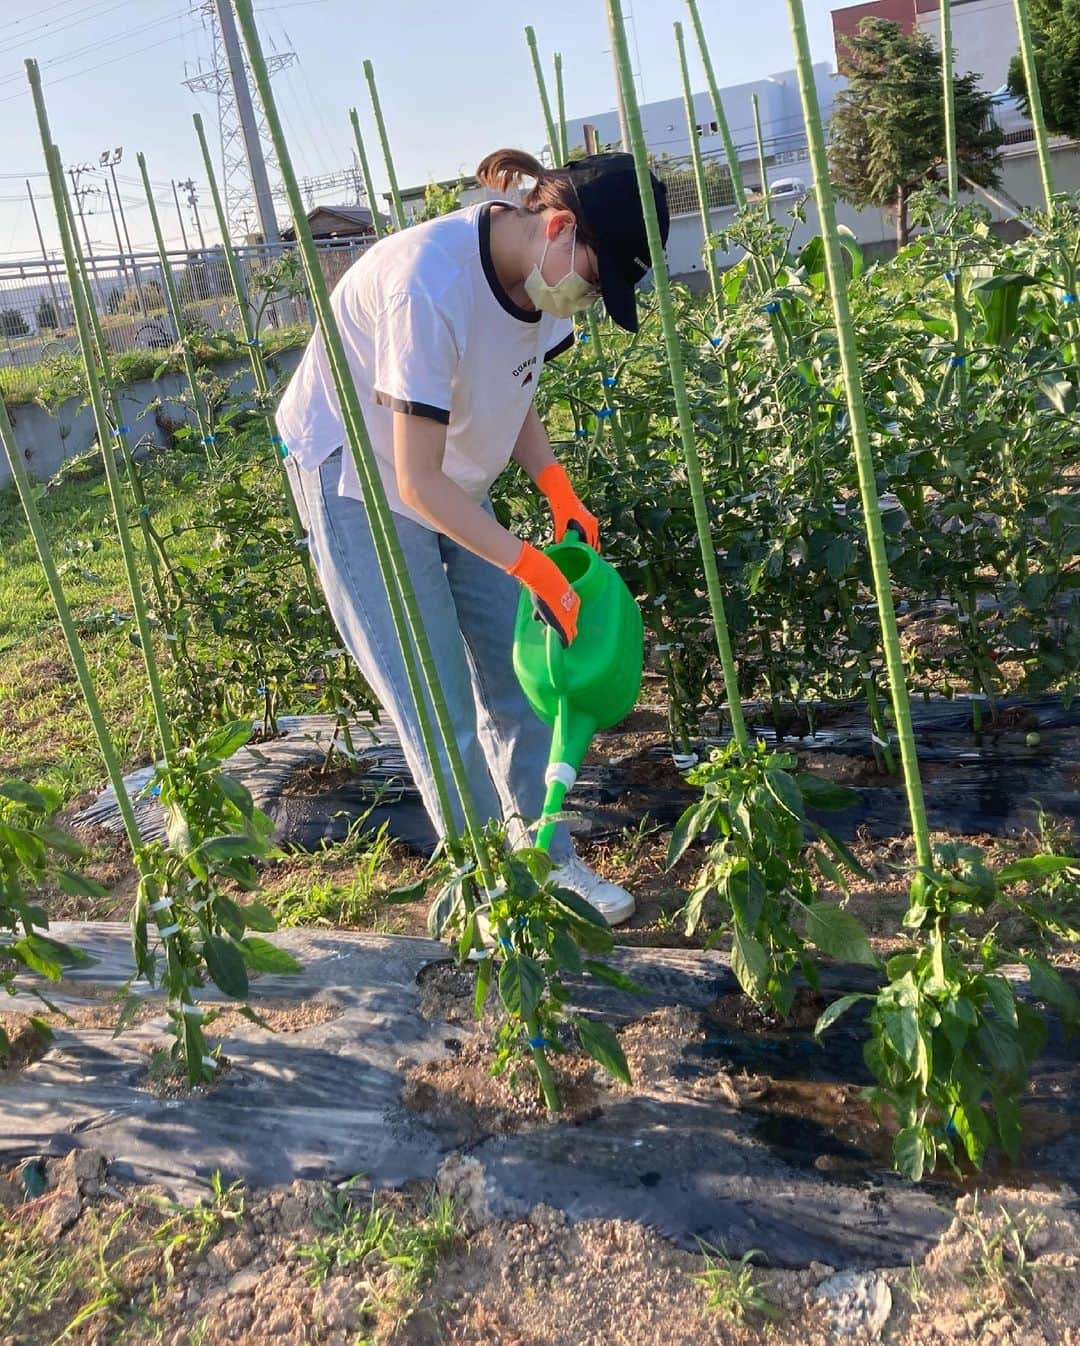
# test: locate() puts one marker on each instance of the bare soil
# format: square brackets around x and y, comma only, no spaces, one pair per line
[124,1265]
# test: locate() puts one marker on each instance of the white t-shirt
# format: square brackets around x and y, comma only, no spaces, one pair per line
[428,330]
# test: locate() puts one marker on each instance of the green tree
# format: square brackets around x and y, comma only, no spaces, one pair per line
[46,313]
[888,129]
[12,323]
[1055,34]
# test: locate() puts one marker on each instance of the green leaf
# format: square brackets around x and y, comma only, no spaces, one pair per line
[909,1152]
[836,1009]
[973,1129]
[744,890]
[34,959]
[78,885]
[225,963]
[830,870]
[691,823]
[483,985]
[263,956]
[232,846]
[1049,986]
[842,853]
[1034,867]
[1009,1123]
[521,985]
[750,963]
[21,793]
[408,892]
[824,794]
[902,1030]
[258,917]
[609,975]
[564,952]
[65,954]
[237,794]
[838,934]
[566,897]
[225,741]
[786,793]
[128,1011]
[598,1041]
[446,902]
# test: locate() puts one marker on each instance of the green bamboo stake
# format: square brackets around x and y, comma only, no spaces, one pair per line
[395,576]
[365,169]
[1034,97]
[560,105]
[699,172]
[949,94]
[730,152]
[662,286]
[595,334]
[760,142]
[101,418]
[541,84]
[176,311]
[948,84]
[264,396]
[155,552]
[849,359]
[384,141]
[67,625]
[162,917]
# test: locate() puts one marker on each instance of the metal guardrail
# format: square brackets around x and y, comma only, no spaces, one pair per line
[37,326]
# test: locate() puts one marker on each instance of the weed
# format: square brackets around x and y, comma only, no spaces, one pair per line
[391,1257]
[191,1229]
[730,1284]
[1003,1266]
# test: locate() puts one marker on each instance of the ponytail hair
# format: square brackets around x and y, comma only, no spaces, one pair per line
[553,187]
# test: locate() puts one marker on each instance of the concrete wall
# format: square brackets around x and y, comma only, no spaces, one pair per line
[47,441]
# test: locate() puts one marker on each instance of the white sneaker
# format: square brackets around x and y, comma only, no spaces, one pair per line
[615,904]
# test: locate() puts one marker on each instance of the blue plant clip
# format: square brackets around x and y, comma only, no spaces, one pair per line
[581,432]
[604,413]
[585,336]
[538,1044]
[956,361]
[121,430]
[716,341]
[610,381]
[772,307]
[1068,298]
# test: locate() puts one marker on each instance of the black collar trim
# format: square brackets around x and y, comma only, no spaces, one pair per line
[515,310]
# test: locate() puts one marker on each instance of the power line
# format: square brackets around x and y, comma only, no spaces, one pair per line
[88,70]
[88,47]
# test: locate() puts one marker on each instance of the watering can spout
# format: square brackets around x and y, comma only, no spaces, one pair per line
[590,685]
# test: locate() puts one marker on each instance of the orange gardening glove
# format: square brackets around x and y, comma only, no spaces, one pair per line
[567,511]
[553,597]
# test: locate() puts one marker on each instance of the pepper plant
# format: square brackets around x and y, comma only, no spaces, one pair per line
[757,881]
[34,853]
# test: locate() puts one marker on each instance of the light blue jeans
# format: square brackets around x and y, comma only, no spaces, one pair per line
[467,607]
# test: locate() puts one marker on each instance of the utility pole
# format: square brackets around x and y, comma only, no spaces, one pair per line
[230,41]
[193,202]
[79,193]
[45,256]
[180,216]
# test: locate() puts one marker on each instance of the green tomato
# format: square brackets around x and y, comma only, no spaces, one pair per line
[1032,740]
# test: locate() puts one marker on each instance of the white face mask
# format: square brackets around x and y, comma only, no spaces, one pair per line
[573,294]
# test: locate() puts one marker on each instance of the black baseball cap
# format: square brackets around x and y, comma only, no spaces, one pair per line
[614,226]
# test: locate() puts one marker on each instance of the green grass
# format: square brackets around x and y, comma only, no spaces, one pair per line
[61,376]
[731,1289]
[45,734]
[387,1254]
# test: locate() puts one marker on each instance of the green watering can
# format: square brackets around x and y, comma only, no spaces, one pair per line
[591,685]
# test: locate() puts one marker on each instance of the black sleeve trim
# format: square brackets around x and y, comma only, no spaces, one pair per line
[560,349]
[413,408]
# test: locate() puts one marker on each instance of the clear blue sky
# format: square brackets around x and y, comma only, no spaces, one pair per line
[453,86]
